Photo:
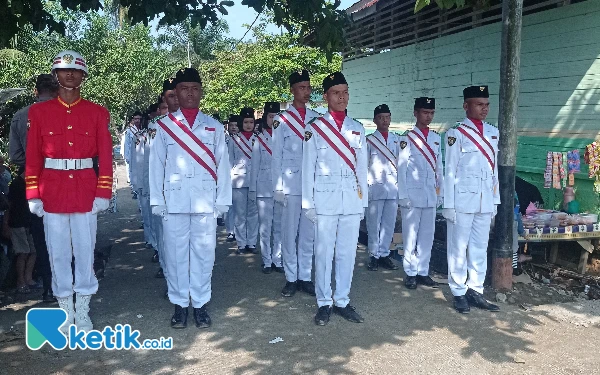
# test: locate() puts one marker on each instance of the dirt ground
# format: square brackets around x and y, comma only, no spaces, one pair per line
[409,332]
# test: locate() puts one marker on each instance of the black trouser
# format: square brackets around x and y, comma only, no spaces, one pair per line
[42,263]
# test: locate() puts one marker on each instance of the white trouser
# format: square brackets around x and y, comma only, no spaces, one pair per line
[381,221]
[68,236]
[269,216]
[246,218]
[418,227]
[336,237]
[229,218]
[127,171]
[471,231]
[297,260]
[190,241]
[157,229]
[144,199]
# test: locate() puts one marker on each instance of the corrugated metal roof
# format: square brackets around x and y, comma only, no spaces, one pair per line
[360,5]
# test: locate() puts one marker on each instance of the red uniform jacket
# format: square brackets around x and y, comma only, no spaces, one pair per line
[61,131]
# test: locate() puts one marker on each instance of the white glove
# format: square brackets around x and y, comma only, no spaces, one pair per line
[252,196]
[362,214]
[449,214]
[159,210]
[219,210]
[100,204]
[404,203]
[495,210]
[36,206]
[311,214]
[278,196]
[440,201]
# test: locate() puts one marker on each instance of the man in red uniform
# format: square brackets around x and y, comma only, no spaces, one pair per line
[64,135]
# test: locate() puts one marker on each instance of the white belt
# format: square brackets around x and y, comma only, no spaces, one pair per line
[68,164]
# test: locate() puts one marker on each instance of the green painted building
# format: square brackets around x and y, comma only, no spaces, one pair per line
[394,56]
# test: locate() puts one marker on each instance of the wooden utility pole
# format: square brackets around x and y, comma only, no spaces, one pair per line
[512,17]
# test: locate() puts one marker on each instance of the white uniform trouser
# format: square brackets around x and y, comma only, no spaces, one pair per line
[246,218]
[297,260]
[157,229]
[269,216]
[68,236]
[128,171]
[381,221]
[144,199]
[418,227]
[229,218]
[190,241]
[336,238]
[471,231]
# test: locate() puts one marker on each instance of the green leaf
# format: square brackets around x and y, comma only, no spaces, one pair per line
[420,4]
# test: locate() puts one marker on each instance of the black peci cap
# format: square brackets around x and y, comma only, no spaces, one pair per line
[299,76]
[187,75]
[246,112]
[476,92]
[168,84]
[333,79]
[272,107]
[424,103]
[382,108]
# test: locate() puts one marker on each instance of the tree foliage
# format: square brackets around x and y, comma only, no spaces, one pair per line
[447,4]
[257,72]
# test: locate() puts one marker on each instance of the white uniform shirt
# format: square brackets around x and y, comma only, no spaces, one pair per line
[417,180]
[128,140]
[287,151]
[328,184]
[470,183]
[137,160]
[382,177]
[240,154]
[178,181]
[261,175]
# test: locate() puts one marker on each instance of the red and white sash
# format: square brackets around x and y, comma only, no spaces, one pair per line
[294,122]
[336,140]
[263,139]
[421,144]
[382,148]
[481,142]
[184,137]
[243,145]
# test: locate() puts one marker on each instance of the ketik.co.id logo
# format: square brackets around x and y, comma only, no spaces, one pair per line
[43,326]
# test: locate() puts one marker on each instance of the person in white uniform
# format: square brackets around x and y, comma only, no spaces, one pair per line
[232,129]
[335,195]
[144,182]
[129,136]
[471,197]
[288,142]
[382,149]
[261,192]
[189,187]
[240,156]
[420,176]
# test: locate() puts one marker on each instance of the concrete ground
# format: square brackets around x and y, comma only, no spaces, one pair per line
[409,332]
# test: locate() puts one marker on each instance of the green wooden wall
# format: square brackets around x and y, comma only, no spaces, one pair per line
[559,102]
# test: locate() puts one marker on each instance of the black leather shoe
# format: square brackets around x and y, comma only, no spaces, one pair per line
[289,289]
[230,237]
[410,282]
[461,304]
[160,274]
[307,287]
[387,263]
[266,269]
[179,319]
[373,264]
[323,314]
[155,257]
[349,313]
[426,281]
[48,296]
[242,250]
[278,269]
[476,299]
[202,318]
[251,250]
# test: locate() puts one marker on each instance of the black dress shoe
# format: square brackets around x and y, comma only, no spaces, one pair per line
[373,264]
[251,250]
[289,289]
[230,237]
[201,317]
[476,299]
[179,319]
[387,263]
[349,313]
[160,274]
[278,269]
[266,269]
[410,282]
[48,296]
[426,281]
[323,314]
[461,304]
[155,257]
[307,287]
